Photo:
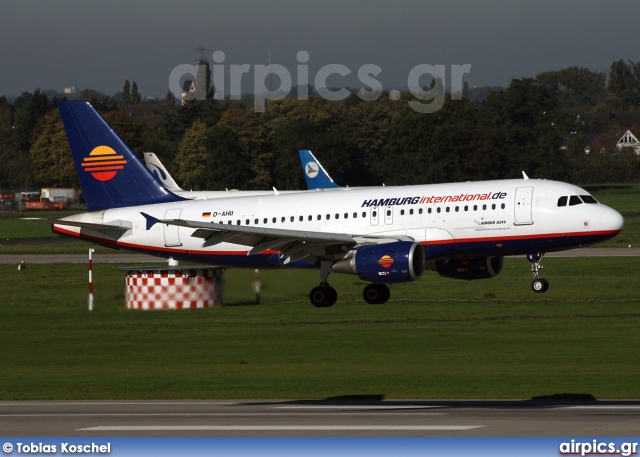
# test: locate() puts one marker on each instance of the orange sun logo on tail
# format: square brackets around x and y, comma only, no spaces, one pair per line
[103,163]
[385,261]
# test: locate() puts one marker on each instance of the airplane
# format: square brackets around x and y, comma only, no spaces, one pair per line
[315,175]
[383,235]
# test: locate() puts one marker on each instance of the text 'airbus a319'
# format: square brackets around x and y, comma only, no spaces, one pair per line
[384,235]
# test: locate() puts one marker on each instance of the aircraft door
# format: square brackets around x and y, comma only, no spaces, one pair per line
[373,213]
[523,213]
[388,215]
[172,232]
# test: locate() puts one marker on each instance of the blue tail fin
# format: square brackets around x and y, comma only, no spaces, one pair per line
[315,175]
[110,173]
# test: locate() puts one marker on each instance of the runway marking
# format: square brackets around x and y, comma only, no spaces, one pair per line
[208,414]
[352,407]
[108,403]
[600,407]
[266,428]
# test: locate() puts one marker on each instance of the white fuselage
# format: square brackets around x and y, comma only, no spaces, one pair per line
[453,220]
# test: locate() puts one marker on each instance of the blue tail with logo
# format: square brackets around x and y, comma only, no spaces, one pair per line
[316,176]
[110,173]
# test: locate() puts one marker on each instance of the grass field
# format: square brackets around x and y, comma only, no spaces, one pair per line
[436,338]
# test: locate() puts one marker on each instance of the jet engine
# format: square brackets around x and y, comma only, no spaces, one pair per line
[401,261]
[474,268]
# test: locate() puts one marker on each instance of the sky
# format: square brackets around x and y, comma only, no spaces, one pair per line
[99,44]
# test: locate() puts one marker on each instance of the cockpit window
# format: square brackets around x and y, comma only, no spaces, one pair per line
[574,200]
[562,201]
[588,199]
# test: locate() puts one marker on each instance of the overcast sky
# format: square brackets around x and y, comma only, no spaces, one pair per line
[99,44]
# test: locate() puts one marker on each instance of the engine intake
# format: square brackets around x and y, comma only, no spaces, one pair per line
[401,261]
[469,269]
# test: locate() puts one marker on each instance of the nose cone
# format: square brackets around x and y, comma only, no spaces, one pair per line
[612,220]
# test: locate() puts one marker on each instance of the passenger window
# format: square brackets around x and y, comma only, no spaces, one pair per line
[282,219]
[328,216]
[438,209]
[310,217]
[588,199]
[484,207]
[346,215]
[301,218]
[374,214]
[401,212]
[420,211]
[493,206]
[246,222]
[264,221]
[364,214]
[255,221]
[574,200]
[503,206]
[355,215]
[337,216]
[475,207]
[411,211]
[238,223]
[466,207]
[319,217]
[273,220]
[429,210]
[562,201]
[292,219]
[388,212]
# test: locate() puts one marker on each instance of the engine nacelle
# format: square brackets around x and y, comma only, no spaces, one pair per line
[401,261]
[475,268]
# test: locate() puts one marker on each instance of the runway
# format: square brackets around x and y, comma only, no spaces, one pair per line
[335,418]
[143,259]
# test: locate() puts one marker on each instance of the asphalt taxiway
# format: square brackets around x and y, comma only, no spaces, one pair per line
[449,418]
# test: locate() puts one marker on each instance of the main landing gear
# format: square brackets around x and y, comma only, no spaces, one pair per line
[539,285]
[325,296]
[376,293]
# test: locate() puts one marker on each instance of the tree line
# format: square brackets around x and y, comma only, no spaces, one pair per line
[216,145]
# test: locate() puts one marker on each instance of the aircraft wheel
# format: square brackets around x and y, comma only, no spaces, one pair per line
[323,296]
[333,298]
[385,293]
[376,294]
[540,285]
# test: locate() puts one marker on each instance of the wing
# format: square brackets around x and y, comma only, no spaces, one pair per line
[293,245]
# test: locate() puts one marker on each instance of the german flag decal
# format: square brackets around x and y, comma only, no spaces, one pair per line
[103,163]
[385,261]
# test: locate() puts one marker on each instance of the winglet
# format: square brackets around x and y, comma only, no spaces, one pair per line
[151,221]
[315,175]
[524,175]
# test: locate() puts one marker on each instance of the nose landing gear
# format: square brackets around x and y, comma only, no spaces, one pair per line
[539,285]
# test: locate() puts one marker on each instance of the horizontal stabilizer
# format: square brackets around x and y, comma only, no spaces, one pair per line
[89,225]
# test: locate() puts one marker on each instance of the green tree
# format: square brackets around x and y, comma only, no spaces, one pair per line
[624,85]
[52,161]
[126,92]
[192,165]
[135,96]
[525,121]
[575,87]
